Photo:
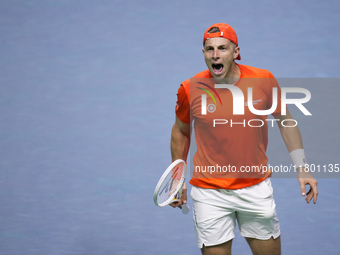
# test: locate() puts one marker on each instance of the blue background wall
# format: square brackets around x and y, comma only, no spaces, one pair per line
[87,96]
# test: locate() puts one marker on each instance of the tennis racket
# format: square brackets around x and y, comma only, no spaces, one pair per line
[170,185]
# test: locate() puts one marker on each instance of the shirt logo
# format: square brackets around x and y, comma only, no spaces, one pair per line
[254,102]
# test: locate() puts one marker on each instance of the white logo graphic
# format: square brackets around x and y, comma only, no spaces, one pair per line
[211,108]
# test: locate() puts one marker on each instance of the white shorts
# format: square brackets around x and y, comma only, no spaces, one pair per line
[216,210]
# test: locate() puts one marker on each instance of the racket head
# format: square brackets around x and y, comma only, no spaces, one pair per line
[170,183]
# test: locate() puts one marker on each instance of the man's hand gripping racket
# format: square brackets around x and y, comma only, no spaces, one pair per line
[170,185]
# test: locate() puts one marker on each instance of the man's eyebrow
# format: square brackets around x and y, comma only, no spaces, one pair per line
[218,46]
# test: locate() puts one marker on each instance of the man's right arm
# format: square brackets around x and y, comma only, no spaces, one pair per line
[180,143]
[180,140]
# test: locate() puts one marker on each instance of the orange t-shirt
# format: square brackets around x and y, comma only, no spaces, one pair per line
[231,148]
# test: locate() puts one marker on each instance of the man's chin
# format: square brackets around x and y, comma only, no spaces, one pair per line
[219,77]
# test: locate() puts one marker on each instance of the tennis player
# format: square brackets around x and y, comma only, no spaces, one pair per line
[220,198]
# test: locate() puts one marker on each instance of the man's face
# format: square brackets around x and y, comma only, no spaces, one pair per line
[219,54]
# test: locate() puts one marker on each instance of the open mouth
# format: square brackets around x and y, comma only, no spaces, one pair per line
[217,68]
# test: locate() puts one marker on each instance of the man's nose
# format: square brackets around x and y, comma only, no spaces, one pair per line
[216,54]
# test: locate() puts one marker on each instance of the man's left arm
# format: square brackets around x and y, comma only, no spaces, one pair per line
[292,138]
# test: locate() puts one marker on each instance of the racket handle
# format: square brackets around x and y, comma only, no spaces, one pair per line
[185,209]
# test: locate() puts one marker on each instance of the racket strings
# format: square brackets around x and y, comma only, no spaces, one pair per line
[171,184]
[177,172]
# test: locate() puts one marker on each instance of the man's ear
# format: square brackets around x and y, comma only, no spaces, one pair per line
[236,52]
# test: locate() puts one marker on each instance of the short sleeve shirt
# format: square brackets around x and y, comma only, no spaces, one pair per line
[232,153]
